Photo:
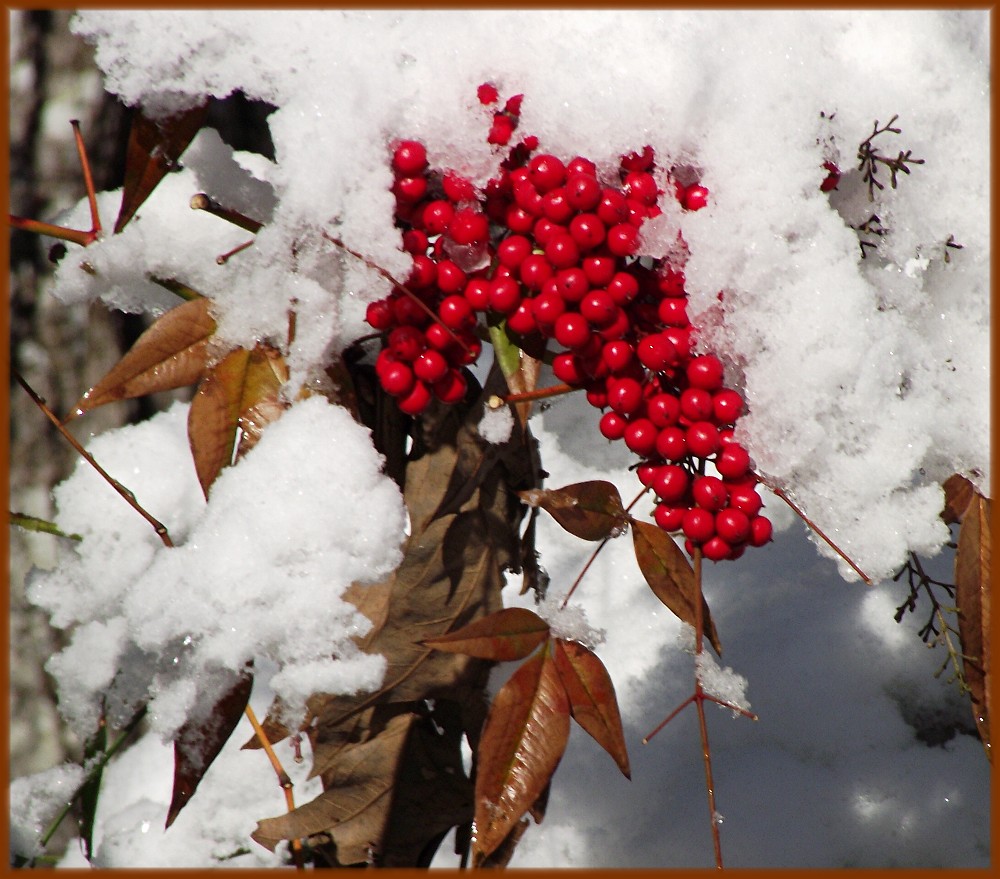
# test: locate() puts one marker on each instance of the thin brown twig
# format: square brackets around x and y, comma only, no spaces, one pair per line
[88,179]
[158,526]
[283,779]
[202,202]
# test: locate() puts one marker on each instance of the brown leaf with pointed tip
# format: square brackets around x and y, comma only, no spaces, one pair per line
[592,700]
[591,510]
[669,575]
[241,392]
[508,634]
[972,596]
[201,738]
[172,353]
[521,745]
[958,494]
[153,150]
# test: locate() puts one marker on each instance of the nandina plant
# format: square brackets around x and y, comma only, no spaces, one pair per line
[545,265]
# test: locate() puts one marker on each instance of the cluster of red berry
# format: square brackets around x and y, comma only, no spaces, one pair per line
[551,249]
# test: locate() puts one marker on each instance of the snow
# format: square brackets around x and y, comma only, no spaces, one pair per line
[867,381]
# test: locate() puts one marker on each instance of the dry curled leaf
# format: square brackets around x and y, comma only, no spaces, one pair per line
[592,698]
[508,634]
[522,743]
[591,510]
[669,575]
[958,495]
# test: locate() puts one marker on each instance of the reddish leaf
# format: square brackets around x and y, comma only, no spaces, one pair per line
[669,575]
[958,494]
[591,510]
[523,740]
[153,149]
[508,634]
[200,740]
[592,699]
[972,596]
[172,353]
[241,392]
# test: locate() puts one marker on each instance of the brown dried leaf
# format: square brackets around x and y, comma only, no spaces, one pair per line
[172,353]
[972,596]
[508,634]
[241,392]
[153,150]
[591,510]
[958,494]
[592,698]
[522,743]
[669,575]
[200,740]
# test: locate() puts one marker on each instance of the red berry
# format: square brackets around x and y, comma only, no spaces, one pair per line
[456,188]
[745,499]
[519,220]
[617,354]
[623,239]
[671,483]
[702,438]
[705,372]
[599,308]
[681,338]
[639,161]
[832,178]
[583,192]
[640,436]
[415,241]
[566,367]
[580,165]
[673,312]
[562,251]
[663,410]
[727,405]
[613,425]
[511,252]
[416,400]
[450,278]
[600,270]
[547,172]
[733,461]
[505,295]
[451,388]
[410,190]
[544,229]
[572,284]
[527,197]
[597,396]
[379,315]
[430,366]
[669,518]
[760,531]
[408,312]
[409,158]
[623,287]
[671,444]
[555,207]
[696,404]
[572,330]
[671,282]
[698,525]
[587,230]
[612,207]
[709,493]
[716,549]
[456,313]
[477,293]
[406,343]
[487,93]
[534,271]
[436,216]
[397,378]
[624,395]
[641,186]
[522,321]
[732,525]
[547,307]
[501,129]
[468,227]
[423,273]
[656,352]
[646,471]
[695,197]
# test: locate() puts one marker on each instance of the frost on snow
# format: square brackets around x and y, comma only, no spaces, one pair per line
[257,572]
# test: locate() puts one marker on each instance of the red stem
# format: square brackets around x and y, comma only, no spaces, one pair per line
[88,180]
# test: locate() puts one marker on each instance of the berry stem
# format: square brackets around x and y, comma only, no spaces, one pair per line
[779,492]
[75,236]
[158,526]
[495,402]
[223,258]
[202,202]
[88,180]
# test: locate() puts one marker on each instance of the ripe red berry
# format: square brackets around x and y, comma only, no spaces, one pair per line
[832,178]
[416,400]
[587,230]
[710,493]
[572,330]
[637,161]
[623,239]
[727,405]
[612,207]
[415,241]
[450,278]
[663,410]
[547,307]
[698,525]
[671,483]
[430,366]
[522,321]
[512,251]
[600,270]
[487,93]
[641,186]
[624,395]
[716,549]
[562,251]
[599,308]
[681,338]
[518,220]
[451,388]
[705,372]
[456,313]
[408,312]
[379,315]
[673,312]
[656,352]
[695,197]
[696,404]
[623,287]
[457,188]
[613,425]
[467,226]
[423,273]
[566,367]
[397,378]
[583,192]
[760,531]
[534,271]
[732,525]
[581,165]
[501,129]
[671,444]
[617,354]
[505,295]
[477,293]
[702,438]
[436,216]
[527,197]
[640,436]
[556,207]
[409,158]
[733,461]
[646,471]
[668,517]
[410,190]
[671,282]
[547,172]
[406,343]
[572,284]
[745,499]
